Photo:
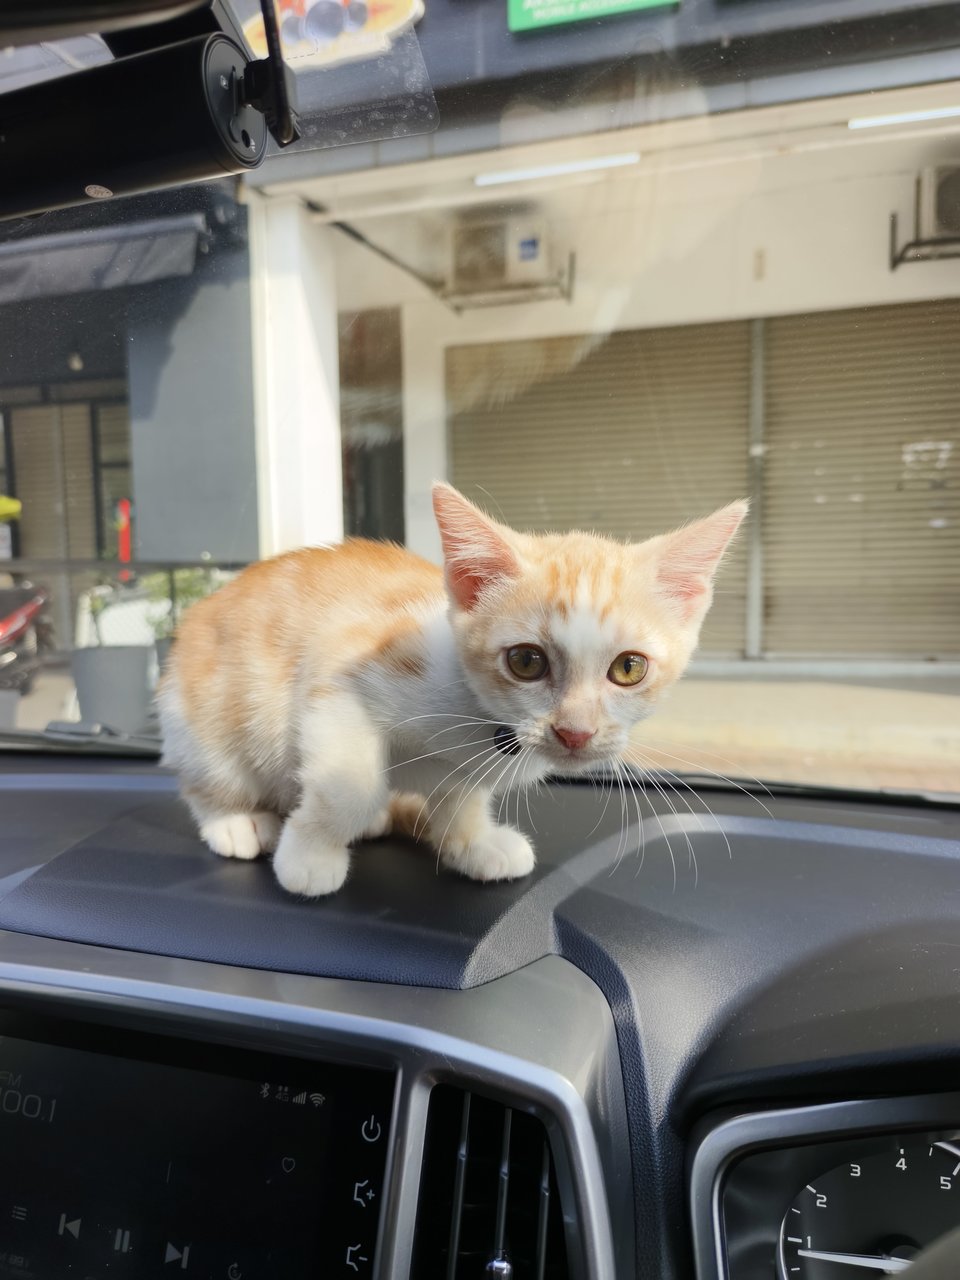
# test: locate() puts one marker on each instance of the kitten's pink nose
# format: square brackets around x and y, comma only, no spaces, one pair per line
[574,738]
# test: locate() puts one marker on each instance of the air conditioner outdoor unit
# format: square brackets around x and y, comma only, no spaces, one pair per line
[939,202]
[502,260]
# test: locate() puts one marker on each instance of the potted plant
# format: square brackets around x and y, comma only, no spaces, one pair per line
[170,594]
[112,663]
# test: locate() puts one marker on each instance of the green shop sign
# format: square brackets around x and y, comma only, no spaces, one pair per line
[528,15]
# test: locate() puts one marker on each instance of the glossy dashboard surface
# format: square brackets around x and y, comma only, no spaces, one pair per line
[816,959]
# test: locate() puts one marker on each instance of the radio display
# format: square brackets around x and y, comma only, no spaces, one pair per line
[162,1158]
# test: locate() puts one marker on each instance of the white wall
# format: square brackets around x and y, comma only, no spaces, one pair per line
[680,242]
[425,325]
[296,377]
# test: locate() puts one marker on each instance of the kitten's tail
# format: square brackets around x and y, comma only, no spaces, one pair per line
[408,815]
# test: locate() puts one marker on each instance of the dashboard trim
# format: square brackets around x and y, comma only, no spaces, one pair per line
[736,1136]
[542,1037]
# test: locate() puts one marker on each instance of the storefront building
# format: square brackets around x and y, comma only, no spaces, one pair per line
[617,304]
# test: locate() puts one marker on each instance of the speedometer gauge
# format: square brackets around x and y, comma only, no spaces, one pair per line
[872,1215]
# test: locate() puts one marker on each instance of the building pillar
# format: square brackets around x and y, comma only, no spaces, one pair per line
[296,377]
[426,325]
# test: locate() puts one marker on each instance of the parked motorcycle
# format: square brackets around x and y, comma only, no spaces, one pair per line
[24,634]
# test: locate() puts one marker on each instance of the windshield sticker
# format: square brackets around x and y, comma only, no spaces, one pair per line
[326,33]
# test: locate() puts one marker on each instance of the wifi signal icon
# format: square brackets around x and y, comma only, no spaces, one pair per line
[317,1099]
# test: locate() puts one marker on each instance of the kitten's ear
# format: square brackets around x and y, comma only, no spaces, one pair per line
[476,551]
[689,558]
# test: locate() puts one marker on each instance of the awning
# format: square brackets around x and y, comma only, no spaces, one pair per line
[100,257]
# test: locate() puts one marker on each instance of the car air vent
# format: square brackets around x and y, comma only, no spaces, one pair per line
[489,1204]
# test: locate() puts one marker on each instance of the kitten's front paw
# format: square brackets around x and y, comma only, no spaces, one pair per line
[499,853]
[309,868]
[242,835]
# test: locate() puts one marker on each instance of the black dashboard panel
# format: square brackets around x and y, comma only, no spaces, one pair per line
[816,958]
[135,1153]
[539,1042]
[140,880]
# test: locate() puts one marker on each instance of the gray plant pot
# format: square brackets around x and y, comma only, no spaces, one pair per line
[113,685]
[164,645]
[9,699]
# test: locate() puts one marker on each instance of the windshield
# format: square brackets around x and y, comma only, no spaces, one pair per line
[611,265]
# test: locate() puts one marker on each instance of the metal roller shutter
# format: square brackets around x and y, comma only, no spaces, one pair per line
[53,468]
[629,434]
[78,480]
[53,472]
[37,463]
[115,480]
[113,430]
[862,483]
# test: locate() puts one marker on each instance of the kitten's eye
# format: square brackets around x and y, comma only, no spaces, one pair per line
[527,662]
[627,669]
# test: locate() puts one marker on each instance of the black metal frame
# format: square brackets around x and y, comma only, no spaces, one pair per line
[95,467]
[94,404]
[99,466]
[11,473]
[936,249]
[30,565]
[27,569]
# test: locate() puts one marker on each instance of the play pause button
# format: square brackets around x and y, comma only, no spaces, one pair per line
[173,1254]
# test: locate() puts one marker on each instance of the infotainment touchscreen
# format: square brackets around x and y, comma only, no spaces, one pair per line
[134,1156]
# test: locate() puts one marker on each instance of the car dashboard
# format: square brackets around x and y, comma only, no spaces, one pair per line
[715,1036]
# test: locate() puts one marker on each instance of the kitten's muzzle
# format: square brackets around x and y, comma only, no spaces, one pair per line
[574,739]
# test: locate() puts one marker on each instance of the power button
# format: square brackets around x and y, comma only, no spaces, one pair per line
[370,1130]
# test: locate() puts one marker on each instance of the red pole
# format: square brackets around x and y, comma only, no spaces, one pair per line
[124,534]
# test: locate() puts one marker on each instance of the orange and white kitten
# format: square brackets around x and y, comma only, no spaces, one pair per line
[306,701]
